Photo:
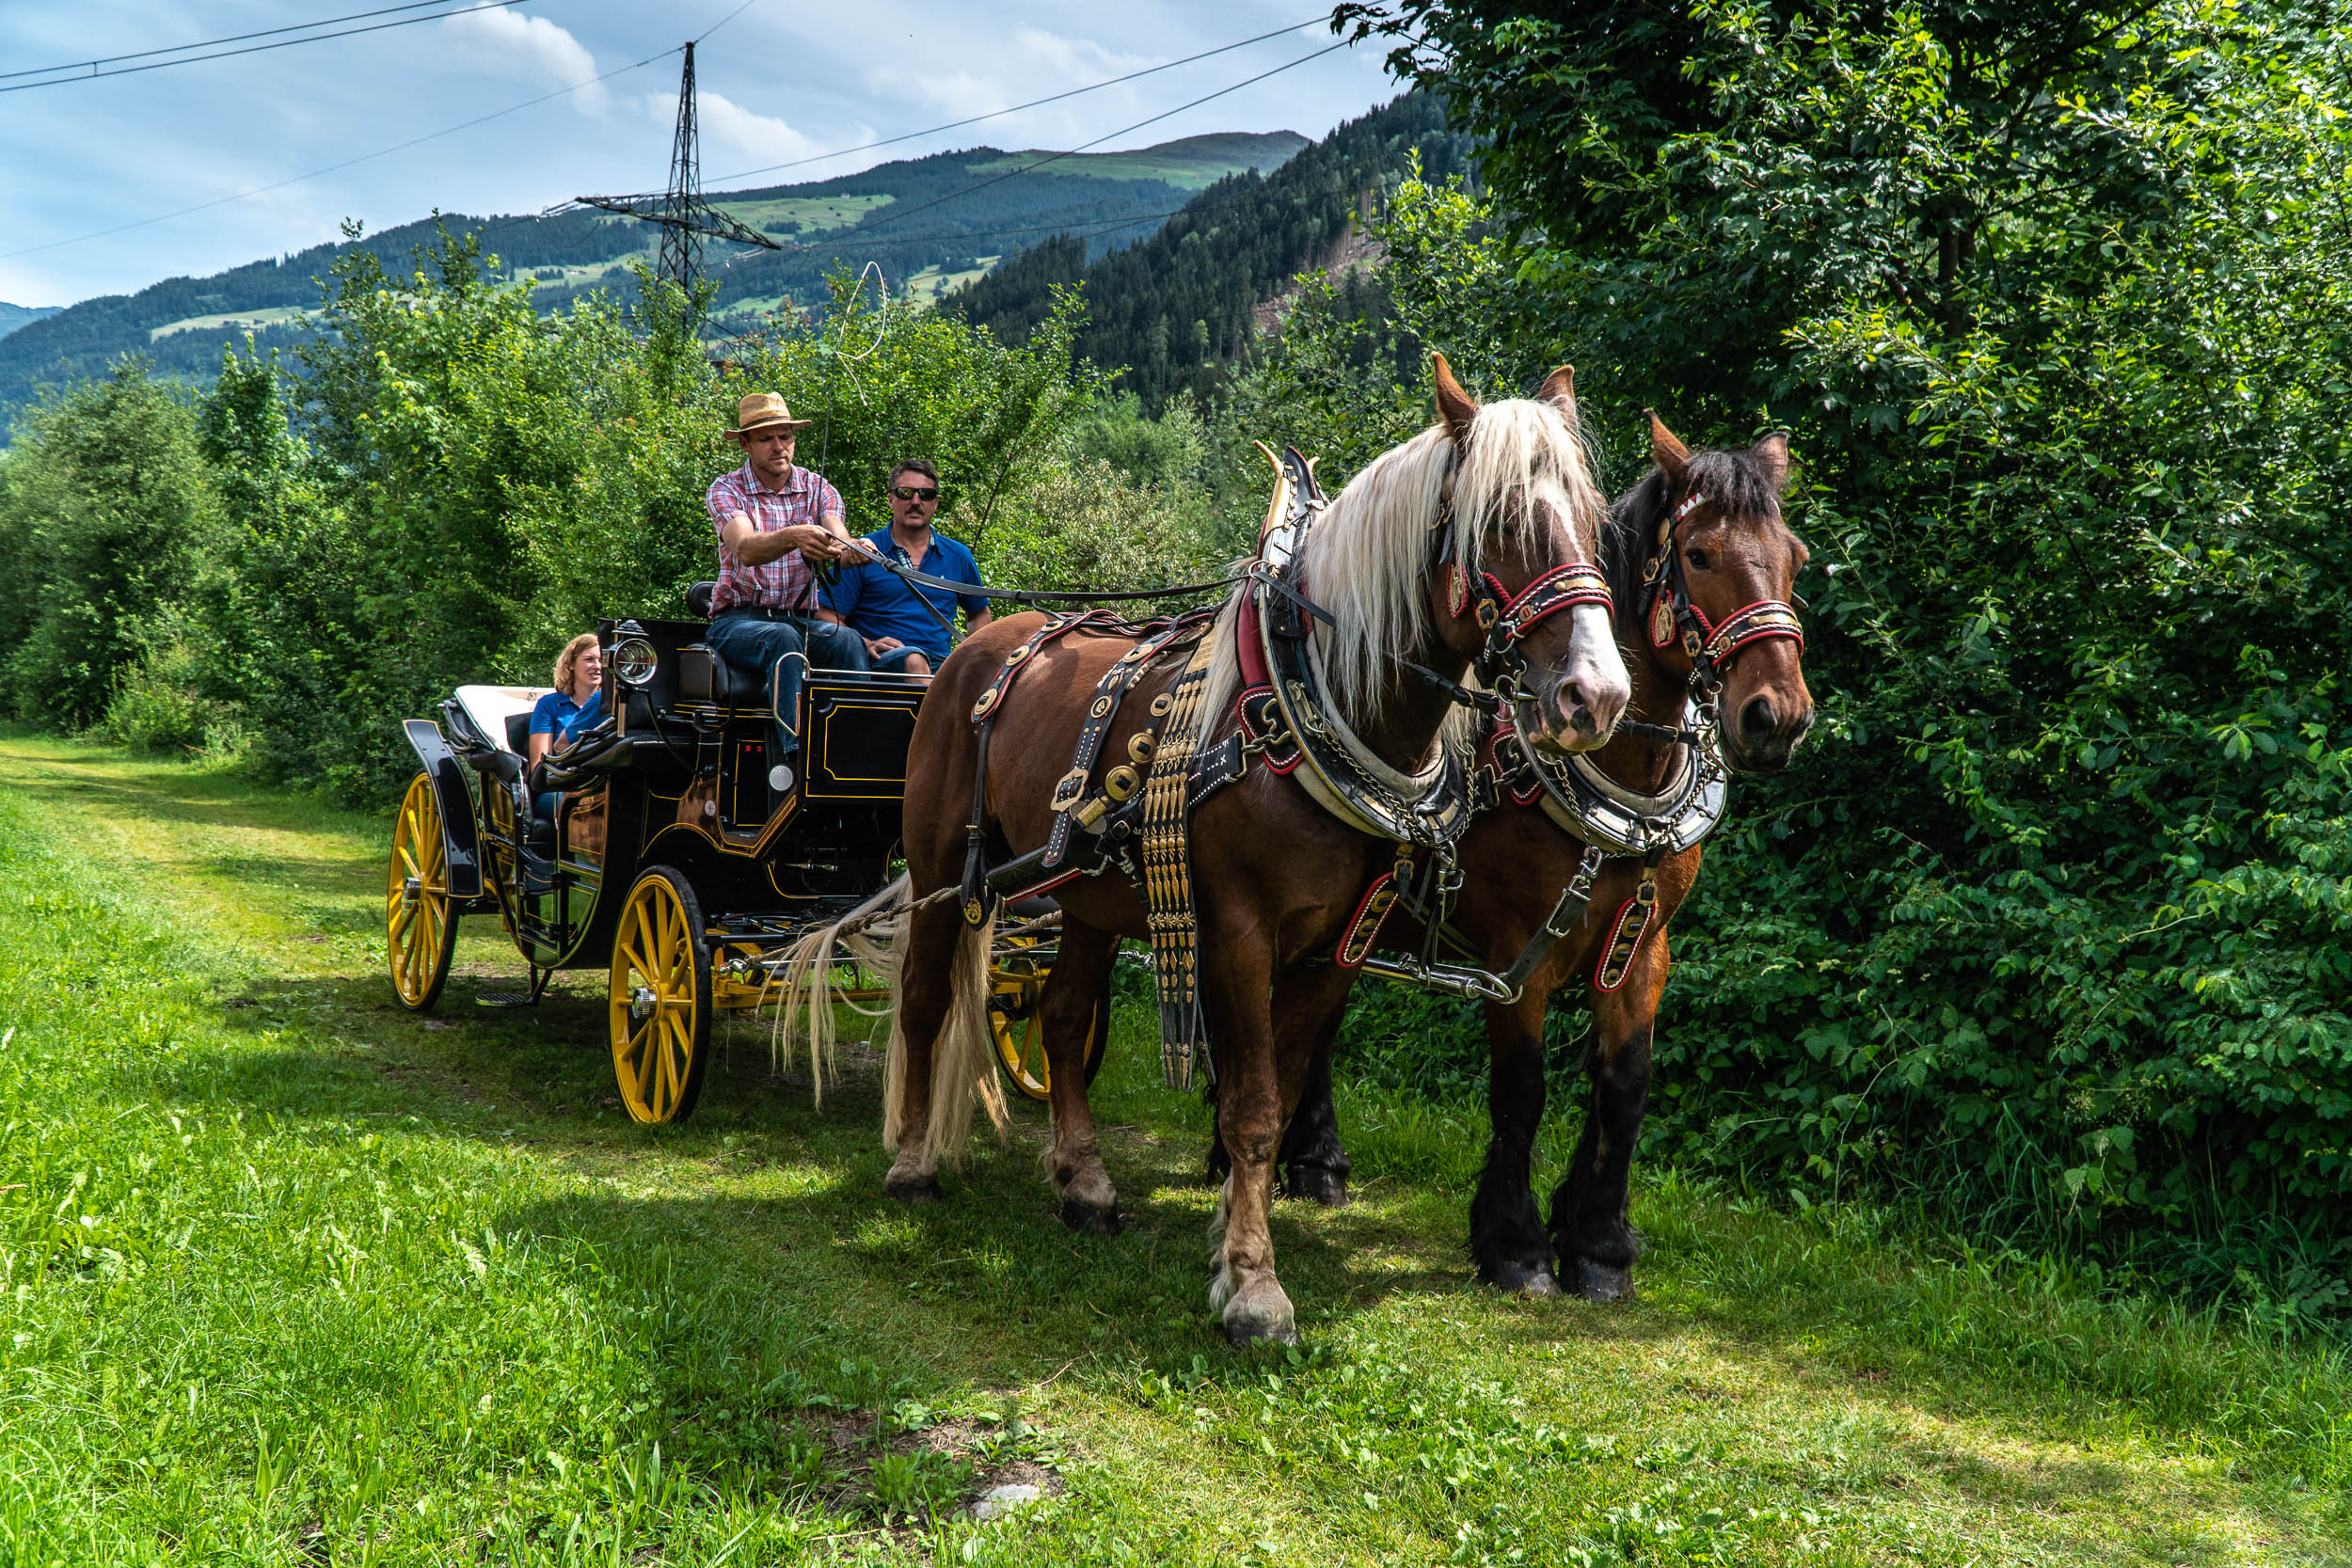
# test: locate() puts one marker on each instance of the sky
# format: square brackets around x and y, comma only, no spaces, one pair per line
[779,81]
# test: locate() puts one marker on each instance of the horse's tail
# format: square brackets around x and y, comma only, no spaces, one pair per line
[963,1058]
[866,935]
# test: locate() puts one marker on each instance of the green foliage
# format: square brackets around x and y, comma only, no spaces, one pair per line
[104,510]
[2048,923]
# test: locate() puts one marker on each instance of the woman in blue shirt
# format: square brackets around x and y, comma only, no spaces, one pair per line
[577,702]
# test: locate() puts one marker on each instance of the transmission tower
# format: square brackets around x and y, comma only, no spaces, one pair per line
[681,239]
[685,218]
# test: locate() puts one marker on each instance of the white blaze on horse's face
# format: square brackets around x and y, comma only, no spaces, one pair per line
[1581,704]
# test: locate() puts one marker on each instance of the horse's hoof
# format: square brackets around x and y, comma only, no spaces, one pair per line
[1319,1183]
[1087,1218]
[1259,1312]
[1523,1279]
[913,1191]
[1601,1281]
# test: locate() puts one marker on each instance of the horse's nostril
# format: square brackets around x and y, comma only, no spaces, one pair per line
[1756,719]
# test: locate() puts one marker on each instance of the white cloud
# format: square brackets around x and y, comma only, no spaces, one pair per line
[1080,60]
[754,139]
[958,94]
[505,39]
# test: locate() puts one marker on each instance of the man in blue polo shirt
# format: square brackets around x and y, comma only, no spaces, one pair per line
[905,628]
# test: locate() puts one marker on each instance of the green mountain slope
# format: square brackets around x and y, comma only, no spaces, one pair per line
[14,316]
[919,218]
[1176,307]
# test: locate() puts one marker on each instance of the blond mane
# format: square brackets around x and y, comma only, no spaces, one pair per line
[1362,560]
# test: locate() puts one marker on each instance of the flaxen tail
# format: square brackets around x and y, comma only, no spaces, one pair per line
[963,1058]
[867,936]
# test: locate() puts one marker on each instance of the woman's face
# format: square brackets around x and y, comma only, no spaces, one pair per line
[587,673]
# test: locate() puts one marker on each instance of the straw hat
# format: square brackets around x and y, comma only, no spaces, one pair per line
[762,411]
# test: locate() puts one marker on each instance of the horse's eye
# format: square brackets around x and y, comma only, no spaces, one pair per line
[1698,559]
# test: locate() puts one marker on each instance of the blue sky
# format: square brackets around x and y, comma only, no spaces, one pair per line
[780,80]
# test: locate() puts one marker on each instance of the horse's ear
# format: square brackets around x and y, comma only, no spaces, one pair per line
[1665,449]
[1772,455]
[1456,408]
[1559,386]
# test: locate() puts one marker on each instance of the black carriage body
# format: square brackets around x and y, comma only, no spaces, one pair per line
[682,782]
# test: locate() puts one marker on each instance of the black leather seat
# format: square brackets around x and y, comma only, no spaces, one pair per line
[518,734]
[704,674]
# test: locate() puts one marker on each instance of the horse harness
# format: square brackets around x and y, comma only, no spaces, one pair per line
[1585,803]
[1135,823]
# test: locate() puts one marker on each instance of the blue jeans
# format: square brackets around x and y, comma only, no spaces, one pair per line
[750,640]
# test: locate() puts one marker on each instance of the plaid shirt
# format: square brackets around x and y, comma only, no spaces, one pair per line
[784,582]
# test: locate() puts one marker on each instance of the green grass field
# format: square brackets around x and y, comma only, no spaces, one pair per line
[289,1276]
[274,316]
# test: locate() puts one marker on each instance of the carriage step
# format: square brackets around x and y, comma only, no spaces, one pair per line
[506,999]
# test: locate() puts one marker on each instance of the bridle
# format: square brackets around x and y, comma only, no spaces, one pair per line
[1506,618]
[1671,616]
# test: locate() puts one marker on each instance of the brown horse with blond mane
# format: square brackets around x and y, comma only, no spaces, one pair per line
[1500,491]
[1703,532]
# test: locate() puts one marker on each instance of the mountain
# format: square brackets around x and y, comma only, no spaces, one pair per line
[929,222]
[1175,307]
[14,316]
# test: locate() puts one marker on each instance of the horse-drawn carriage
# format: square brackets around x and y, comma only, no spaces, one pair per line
[656,847]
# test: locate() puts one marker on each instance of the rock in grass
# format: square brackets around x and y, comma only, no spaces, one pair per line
[997,1501]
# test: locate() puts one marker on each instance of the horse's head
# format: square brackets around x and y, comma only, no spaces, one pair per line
[1521,589]
[1718,543]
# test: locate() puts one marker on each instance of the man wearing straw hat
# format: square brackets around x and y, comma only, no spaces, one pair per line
[774,522]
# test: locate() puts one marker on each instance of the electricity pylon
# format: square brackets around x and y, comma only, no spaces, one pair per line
[685,218]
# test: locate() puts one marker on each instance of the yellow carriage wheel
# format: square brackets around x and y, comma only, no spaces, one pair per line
[419,923]
[1016,985]
[661,998]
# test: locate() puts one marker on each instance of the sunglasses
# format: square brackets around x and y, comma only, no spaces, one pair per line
[915,492]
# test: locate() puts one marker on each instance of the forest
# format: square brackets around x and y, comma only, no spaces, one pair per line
[2043,938]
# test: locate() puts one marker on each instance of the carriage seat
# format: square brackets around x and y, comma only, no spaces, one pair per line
[502,713]
[703,677]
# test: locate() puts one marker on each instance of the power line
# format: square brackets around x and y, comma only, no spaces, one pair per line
[214,43]
[1033,103]
[724,20]
[347,163]
[259,48]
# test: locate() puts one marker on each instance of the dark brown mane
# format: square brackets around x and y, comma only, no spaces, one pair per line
[1730,477]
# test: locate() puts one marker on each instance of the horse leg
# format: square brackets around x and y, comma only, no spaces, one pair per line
[1590,1223]
[1507,1235]
[1314,1163]
[1261,1062]
[1078,987]
[925,986]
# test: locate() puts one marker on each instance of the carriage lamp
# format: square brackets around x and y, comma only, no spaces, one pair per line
[634,660]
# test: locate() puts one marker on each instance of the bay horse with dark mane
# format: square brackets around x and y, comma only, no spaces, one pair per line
[1702,569]
[1447,550]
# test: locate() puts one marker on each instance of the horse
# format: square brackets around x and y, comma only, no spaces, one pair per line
[1441,552]
[1703,527]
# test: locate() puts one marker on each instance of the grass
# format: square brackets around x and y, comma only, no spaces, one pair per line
[288,1275]
[1193,164]
[277,315]
[815,214]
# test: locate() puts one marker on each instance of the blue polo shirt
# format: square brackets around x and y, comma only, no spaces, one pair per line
[880,603]
[557,715]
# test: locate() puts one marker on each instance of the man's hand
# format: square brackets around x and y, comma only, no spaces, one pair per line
[816,541]
[881,645]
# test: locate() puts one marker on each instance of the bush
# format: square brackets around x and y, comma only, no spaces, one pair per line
[157,706]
